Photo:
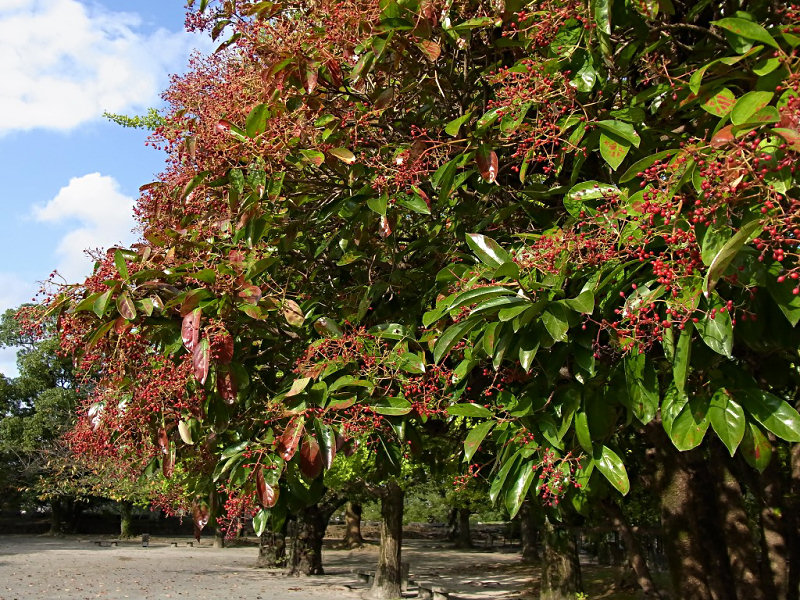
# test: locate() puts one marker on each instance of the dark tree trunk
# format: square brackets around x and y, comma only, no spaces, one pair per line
[125,520]
[463,535]
[633,549]
[309,531]
[352,526]
[528,533]
[736,529]
[774,542]
[561,571]
[219,538]
[272,548]
[388,575]
[793,525]
[64,515]
[309,528]
[674,486]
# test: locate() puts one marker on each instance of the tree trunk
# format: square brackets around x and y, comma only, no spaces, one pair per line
[352,529]
[219,538]
[463,535]
[272,548]
[309,531]
[528,533]
[125,520]
[388,575]
[561,570]
[633,549]
[736,529]
[774,542]
[64,515]
[56,517]
[793,524]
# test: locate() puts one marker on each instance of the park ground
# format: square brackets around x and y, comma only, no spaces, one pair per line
[74,567]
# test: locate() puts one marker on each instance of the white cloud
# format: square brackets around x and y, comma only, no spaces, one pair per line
[64,63]
[99,215]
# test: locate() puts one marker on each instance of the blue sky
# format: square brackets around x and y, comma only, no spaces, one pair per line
[69,177]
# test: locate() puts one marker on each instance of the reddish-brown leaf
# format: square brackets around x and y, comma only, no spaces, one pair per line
[293,313]
[201,360]
[190,329]
[250,294]
[385,228]
[200,516]
[309,77]
[430,49]
[163,440]
[310,458]
[267,495]
[168,464]
[335,72]
[723,136]
[288,442]
[419,192]
[223,347]
[223,126]
[487,163]
[121,325]
[226,386]
[125,306]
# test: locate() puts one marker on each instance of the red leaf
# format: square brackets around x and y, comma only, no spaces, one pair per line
[335,72]
[200,517]
[121,325]
[163,440]
[125,306]
[723,136]
[385,228]
[223,126]
[250,294]
[190,329]
[430,49]
[201,360]
[309,77]
[267,495]
[487,163]
[288,442]
[226,386]
[168,464]
[310,458]
[223,348]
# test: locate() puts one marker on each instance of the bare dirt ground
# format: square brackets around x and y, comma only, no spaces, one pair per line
[74,568]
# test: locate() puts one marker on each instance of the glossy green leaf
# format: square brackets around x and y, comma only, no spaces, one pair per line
[579,194]
[257,120]
[756,447]
[487,250]
[119,262]
[582,431]
[498,483]
[775,414]
[582,303]
[453,127]
[622,130]
[717,333]
[613,150]
[727,253]
[555,321]
[469,410]
[748,105]
[690,425]
[720,103]
[682,357]
[475,438]
[611,466]
[452,335]
[747,29]
[392,406]
[642,383]
[727,419]
[101,303]
[518,491]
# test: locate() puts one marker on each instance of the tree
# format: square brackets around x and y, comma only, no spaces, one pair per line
[541,218]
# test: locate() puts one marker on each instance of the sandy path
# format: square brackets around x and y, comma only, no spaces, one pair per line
[74,568]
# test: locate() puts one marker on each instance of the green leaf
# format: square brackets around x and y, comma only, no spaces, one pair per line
[612,468]
[690,425]
[727,253]
[681,360]
[257,120]
[748,105]
[500,479]
[756,447]
[555,321]
[720,104]
[487,250]
[260,521]
[469,410]
[775,414]
[519,489]
[613,150]
[642,382]
[640,165]
[746,29]
[622,130]
[444,178]
[344,155]
[727,419]
[101,303]
[393,406]
[583,303]
[582,431]
[452,335]
[717,333]
[378,204]
[475,437]
[122,267]
[454,126]
[478,22]
[577,196]
[788,302]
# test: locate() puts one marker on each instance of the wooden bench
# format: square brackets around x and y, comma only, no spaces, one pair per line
[365,576]
[145,540]
[106,543]
[429,591]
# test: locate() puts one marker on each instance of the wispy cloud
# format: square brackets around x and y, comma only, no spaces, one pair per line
[65,63]
[97,214]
